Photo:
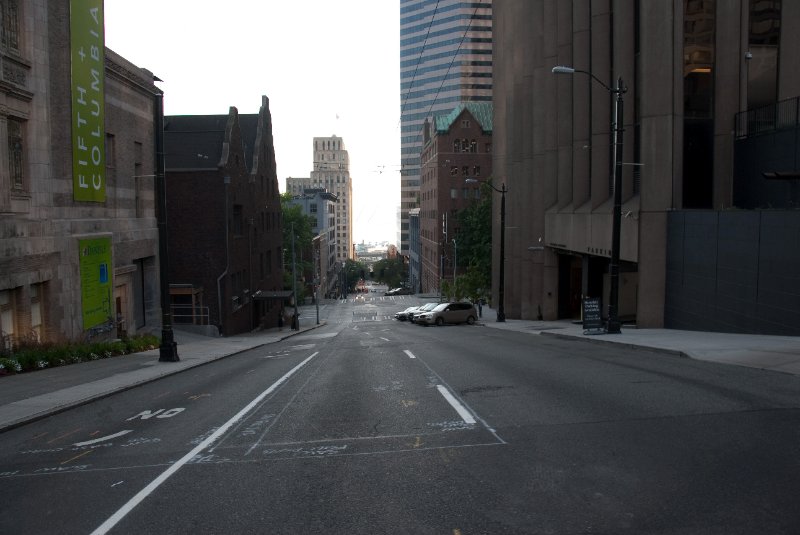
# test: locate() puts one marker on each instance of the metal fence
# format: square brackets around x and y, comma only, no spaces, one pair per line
[782,115]
[190,315]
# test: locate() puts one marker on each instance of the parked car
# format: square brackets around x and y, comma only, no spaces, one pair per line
[420,310]
[448,313]
[404,314]
[390,292]
[403,291]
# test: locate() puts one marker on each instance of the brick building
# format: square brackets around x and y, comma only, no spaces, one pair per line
[224,220]
[456,157]
[78,232]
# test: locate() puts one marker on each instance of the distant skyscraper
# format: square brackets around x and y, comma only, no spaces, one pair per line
[445,58]
[331,173]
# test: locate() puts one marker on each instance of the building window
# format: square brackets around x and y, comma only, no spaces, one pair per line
[6,318]
[138,178]
[238,223]
[9,11]
[15,148]
[465,123]
[453,193]
[36,310]
[476,170]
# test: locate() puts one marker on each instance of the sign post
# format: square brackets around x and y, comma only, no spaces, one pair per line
[592,317]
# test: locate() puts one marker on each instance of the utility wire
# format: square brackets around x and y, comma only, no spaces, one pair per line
[421,52]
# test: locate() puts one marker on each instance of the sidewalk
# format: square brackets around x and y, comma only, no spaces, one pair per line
[775,353]
[31,396]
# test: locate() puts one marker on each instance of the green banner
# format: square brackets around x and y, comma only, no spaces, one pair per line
[87,44]
[96,284]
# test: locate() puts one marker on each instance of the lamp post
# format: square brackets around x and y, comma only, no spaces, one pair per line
[501,313]
[168,350]
[613,324]
[455,261]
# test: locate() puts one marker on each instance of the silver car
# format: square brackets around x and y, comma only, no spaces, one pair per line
[414,314]
[448,313]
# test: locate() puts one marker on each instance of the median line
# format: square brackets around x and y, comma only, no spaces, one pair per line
[460,409]
[409,353]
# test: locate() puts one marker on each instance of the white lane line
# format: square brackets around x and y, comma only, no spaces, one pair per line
[409,353]
[145,492]
[101,439]
[460,409]
[385,339]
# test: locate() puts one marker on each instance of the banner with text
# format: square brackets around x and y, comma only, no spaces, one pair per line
[87,44]
[96,284]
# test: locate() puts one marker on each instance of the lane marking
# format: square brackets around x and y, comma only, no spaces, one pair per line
[65,435]
[460,409]
[385,339]
[87,452]
[123,511]
[409,353]
[101,439]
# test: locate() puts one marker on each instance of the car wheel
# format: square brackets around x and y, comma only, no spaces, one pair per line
[470,320]
[440,321]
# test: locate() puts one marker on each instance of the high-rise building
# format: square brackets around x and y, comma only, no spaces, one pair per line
[706,223]
[445,58]
[331,173]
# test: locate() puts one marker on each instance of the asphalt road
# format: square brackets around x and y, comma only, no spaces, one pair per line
[368,425]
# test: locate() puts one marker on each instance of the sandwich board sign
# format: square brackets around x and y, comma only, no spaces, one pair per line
[592,316]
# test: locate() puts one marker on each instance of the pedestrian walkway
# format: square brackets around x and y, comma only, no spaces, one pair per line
[776,353]
[30,396]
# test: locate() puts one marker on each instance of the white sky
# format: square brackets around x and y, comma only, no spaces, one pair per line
[314,59]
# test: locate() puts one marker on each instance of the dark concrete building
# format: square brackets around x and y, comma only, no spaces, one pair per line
[224,220]
[456,157]
[709,215]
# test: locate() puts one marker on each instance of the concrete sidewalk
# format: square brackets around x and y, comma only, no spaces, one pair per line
[775,353]
[31,396]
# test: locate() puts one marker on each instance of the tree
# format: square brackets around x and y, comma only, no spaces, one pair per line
[295,219]
[475,246]
[391,271]
[352,272]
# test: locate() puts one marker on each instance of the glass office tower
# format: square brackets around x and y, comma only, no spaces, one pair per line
[445,58]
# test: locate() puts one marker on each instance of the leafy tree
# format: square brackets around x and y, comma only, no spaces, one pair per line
[295,219]
[353,271]
[390,271]
[475,246]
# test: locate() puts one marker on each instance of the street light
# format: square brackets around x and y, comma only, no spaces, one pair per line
[455,261]
[168,350]
[613,325]
[501,313]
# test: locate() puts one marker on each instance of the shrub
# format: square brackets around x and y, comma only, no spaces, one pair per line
[32,355]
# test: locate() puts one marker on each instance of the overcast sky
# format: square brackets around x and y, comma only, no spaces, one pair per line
[315,60]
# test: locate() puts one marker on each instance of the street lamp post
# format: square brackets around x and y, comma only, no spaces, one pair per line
[455,261]
[168,350]
[501,313]
[613,324]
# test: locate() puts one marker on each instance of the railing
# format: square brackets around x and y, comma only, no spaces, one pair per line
[190,315]
[782,115]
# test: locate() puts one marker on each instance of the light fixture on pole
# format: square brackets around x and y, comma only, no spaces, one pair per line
[501,313]
[613,325]
[168,350]
[455,261]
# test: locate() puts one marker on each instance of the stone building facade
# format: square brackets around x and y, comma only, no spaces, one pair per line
[331,172]
[690,70]
[50,289]
[224,221]
[456,158]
